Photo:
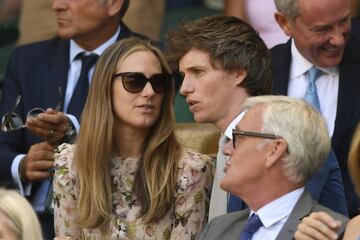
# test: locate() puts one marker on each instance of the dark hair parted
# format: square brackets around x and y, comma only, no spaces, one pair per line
[231,44]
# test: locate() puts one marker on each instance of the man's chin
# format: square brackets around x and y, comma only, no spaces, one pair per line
[330,61]
[64,34]
[199,118]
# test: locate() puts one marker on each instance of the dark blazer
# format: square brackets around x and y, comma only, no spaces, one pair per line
[229,226]
[35,71]
[347,116]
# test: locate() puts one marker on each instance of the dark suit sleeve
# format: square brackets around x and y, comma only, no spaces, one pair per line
[326,186]
[11,143]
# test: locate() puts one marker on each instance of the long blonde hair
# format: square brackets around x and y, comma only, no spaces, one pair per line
[354,159]
[25,224]
[156,176]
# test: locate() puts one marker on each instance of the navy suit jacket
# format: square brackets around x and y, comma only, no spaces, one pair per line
[35,71]
[347,117]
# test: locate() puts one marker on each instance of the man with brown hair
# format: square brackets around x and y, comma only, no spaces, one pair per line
[224,61]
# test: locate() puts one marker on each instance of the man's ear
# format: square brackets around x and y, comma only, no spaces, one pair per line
[114,7]
[284,22]
[240,75]
[277,149]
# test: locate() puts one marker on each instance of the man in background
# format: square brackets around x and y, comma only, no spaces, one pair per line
[320,63]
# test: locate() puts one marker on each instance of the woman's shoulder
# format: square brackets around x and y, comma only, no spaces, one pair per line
[63,165]
[195,159]
[192,160]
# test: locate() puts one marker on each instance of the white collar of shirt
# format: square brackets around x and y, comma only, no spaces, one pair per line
[327,85]
[75,49]
[274,214]
[232,125]
[301,65]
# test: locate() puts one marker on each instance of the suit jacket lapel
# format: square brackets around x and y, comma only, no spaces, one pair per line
[234,232]
[56,74]
[302,208]
[281,62]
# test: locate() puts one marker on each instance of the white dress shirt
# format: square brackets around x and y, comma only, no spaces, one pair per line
[38,201]
[274,215]
[327,86]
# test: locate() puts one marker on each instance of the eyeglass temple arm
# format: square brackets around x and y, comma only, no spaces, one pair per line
[17,101]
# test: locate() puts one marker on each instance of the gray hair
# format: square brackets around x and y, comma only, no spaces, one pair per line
[303,129]
[289,8]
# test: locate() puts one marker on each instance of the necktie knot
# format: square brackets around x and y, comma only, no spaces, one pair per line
[252,225]
[87,60]
[313,74]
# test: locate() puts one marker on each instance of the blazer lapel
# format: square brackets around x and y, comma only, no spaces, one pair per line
[235,231]
[281,61]
[56,74]
[302,208]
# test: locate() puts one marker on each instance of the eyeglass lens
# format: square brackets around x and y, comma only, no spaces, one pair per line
[135,82]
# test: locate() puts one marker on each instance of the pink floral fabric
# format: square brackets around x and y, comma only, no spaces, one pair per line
[184,221]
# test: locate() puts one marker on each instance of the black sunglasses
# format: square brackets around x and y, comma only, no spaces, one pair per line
[135,82]
[236,133]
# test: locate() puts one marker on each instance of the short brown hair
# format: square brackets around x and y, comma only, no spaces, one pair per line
[231,43]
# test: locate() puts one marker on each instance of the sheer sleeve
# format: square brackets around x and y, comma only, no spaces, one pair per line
[192,195]
[65,193]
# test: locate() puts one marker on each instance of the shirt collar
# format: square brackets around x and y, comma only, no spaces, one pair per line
[75,49]
[232,125]
[283,205]
[301,65]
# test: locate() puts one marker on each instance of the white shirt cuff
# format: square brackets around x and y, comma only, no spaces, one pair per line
[25,189]
[74,121]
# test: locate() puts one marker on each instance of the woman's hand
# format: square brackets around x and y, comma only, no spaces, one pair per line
[319,226]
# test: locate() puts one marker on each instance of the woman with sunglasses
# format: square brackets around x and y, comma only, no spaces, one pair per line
[127,177]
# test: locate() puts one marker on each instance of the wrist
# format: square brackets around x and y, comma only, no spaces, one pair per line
[22,170]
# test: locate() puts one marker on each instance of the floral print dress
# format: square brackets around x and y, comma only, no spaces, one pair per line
[184,221]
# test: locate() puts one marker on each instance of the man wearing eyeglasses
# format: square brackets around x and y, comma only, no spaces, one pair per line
[35,73]
[224,61]
[277,147]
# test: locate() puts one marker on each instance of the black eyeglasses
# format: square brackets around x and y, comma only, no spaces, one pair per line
[135,82]
[13,121]
[236,133]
